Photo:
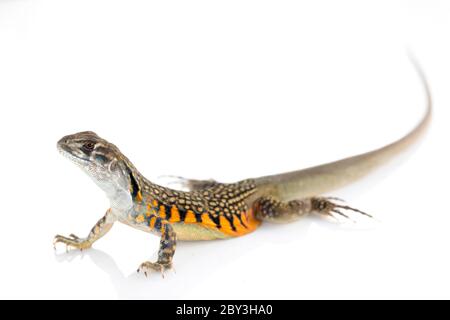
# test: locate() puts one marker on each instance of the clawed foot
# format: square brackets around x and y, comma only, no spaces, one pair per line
[148,267]
[329,207]
[72,241]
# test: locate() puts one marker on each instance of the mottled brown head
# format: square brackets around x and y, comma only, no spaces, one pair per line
[101,160]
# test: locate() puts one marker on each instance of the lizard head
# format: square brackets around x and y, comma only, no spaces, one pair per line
[102,161]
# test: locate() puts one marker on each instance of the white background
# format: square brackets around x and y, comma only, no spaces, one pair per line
[225,90]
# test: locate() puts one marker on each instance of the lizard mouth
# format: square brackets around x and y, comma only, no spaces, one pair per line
[67,152]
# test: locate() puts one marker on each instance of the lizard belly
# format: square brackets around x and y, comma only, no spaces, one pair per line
[194,231]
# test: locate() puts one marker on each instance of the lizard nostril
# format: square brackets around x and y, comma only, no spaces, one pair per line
[63,141]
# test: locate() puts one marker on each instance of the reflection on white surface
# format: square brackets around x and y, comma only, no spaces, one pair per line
[200,265]
[195,262]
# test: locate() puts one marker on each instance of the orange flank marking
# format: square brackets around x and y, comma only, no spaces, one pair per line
[248,219]
[152,222]
[190,217]
[139,196]
[206,220]
[140,218]
[162,212]
[244,218]
[174,214]
[225,225]
[240,229]
[150,211]
[155,203]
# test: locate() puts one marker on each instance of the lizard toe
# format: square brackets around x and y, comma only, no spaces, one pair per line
[71,242]
[148,267]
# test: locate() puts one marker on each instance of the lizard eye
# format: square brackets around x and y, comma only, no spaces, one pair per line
[89,146]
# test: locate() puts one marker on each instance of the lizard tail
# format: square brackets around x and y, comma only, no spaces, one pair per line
[317,180]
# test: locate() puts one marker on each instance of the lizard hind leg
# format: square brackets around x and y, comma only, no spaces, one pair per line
[271,209]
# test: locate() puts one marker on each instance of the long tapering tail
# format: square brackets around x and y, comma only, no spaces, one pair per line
[324,178]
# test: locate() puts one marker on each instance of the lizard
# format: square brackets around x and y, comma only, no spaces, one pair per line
[210,209]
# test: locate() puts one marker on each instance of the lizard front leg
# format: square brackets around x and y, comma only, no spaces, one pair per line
[272,210]
[99,230]
[167,246]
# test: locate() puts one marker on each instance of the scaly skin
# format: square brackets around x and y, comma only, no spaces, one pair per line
[210,209]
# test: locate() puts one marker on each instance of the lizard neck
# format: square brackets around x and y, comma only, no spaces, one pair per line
[124,191]
[119,197]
